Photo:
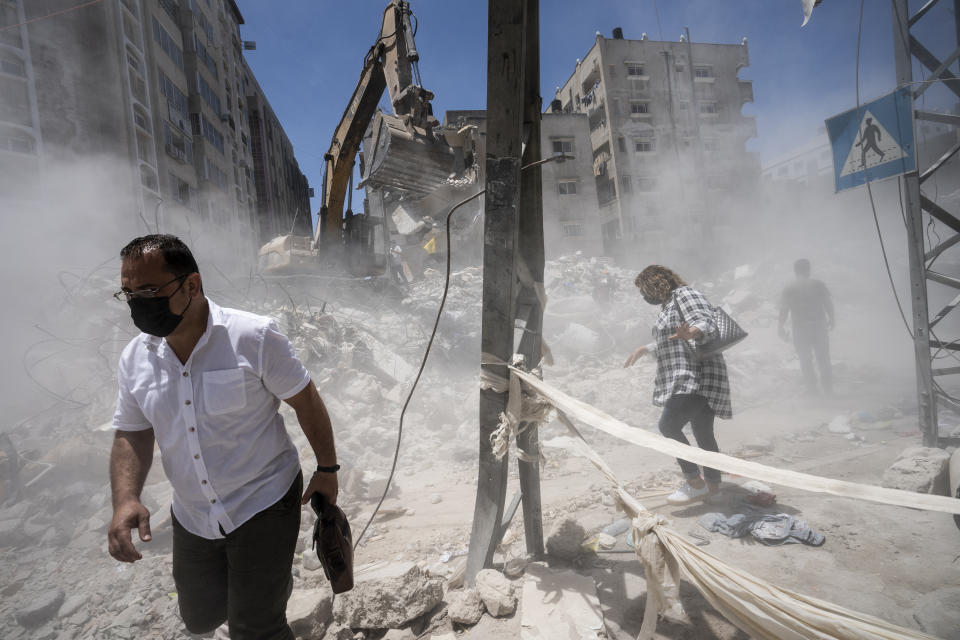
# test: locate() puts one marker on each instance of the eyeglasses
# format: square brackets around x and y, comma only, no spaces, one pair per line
[127,296]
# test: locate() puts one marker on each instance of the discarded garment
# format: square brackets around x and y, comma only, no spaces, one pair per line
[772,530]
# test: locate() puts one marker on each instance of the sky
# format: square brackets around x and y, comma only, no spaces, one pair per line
[310,54]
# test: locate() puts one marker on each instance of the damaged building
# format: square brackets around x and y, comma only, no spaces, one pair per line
[173,96]
[668,140]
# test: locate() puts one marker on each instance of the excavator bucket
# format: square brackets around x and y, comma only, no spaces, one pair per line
[406,158]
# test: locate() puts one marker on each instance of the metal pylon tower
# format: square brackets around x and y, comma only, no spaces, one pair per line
[923,254]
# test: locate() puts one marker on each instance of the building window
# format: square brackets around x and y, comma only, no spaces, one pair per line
[646,184]
[214,174]
[180,189]
[644,145]
[709,144]
[16,141]
[635,69]
[176,100]
[563,146]
[571,229]
[639,107]
[209,95]
[625,185]
[703,72]
[166,42]
[148,178]
[13,66]
[177,145]
[211,133]
[680,68]
[170,6]
[205,56]
[567,187]
[622,144]
[709,108]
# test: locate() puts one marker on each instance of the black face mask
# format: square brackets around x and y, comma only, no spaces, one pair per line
[153,315]
[650,300]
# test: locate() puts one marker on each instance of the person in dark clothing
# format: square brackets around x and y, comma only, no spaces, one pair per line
[689,390]
[806,301]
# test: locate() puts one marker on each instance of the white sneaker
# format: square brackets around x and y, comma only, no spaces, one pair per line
[687,494]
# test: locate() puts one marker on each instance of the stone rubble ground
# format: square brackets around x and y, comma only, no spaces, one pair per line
[362,342]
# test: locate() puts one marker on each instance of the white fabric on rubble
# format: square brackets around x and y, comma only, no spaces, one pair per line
[757,607]
[807,482]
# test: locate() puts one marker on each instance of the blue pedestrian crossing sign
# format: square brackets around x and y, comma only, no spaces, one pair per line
[873,142]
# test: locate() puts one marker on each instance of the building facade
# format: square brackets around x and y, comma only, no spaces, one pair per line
[571,214]
[282,191]
[21,143]
[668,141]
[159,83]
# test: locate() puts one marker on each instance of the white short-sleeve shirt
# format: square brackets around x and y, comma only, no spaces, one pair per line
[222,440]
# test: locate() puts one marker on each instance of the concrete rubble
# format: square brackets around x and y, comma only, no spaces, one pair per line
[497,594]
[919,469]
[362,343]
[465,607]
[564,540]
[388,597]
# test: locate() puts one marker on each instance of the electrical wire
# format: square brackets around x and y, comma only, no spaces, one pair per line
[873,206]
[423,364]
[433,335]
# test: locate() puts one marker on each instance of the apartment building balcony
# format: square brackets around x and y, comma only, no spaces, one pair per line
[746,91]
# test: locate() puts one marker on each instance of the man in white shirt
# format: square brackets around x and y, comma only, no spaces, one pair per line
[205,383]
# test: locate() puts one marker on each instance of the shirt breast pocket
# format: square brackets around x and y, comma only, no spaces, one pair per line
[224,391]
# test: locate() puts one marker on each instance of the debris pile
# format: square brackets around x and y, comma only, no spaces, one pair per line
[363,342]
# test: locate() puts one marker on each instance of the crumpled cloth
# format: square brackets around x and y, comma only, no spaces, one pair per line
[773,530]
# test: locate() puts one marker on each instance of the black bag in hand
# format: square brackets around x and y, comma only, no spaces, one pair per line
[333,543]
[729,333]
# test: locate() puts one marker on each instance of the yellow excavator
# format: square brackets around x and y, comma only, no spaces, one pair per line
[406,155]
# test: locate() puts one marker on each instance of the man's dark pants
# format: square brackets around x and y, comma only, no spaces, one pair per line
[814,341]
[244,578]
[680,409]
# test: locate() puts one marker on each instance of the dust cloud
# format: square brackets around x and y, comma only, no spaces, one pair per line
[363,339]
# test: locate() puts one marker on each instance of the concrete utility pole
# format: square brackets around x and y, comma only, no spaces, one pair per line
[513,244]
[906,47]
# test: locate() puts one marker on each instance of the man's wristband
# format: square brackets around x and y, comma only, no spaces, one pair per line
[331,469]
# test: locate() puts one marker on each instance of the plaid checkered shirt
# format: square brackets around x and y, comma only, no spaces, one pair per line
[678,372]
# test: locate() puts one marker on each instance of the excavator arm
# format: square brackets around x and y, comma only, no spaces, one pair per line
[390,64]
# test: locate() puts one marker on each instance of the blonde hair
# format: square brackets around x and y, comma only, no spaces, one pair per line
[657,282]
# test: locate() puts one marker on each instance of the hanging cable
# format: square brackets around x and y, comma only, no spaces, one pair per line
[433,334]
[873,206]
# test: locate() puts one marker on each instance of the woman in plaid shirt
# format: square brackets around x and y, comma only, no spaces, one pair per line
[688,389]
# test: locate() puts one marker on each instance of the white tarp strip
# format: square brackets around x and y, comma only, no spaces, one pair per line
[759,608]
[818,484]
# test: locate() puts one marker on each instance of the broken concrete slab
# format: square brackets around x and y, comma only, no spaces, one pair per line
[387,596]
[559,604]
[309,611]
[919,469]
[465,607]
[496,592]
[41,609]
[565,539]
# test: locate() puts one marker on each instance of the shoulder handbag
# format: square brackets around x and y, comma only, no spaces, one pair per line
[729,333]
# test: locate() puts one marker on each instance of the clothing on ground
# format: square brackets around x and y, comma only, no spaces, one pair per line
[776,529]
